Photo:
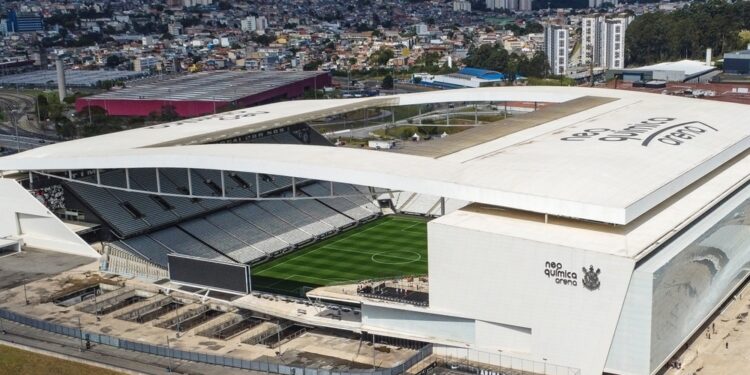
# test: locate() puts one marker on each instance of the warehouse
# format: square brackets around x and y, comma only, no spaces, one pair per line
[205,93]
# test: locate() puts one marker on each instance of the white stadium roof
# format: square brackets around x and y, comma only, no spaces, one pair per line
[610,161]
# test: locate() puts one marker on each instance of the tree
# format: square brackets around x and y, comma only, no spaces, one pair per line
[114,60]
[744,36]
[43,106]
[387,83]
[91,114]
[536,66]
[224,5]
[312,65]
[169,113]
[381,56]
[486,56]
[687,32]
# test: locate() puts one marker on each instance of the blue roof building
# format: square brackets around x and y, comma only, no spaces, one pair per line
[466,77]
[489,75]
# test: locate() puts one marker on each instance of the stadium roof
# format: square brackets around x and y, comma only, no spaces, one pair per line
[222,85]
[615,156]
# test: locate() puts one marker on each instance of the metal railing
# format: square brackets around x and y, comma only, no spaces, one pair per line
[267,366]
[475,361]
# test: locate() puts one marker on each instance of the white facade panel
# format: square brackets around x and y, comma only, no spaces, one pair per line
[631,346]
[495,335]
[503,280]
[24,217]
[425,325]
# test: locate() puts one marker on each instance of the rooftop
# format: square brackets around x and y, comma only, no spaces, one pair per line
[744,53]
[220,85]
[482,73]
[689,67]
[72,77]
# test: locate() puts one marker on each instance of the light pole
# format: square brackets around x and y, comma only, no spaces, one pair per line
[13,113]
[25,296]
[374,351]
[38,116]
[169,359]
[278,337]
[545,365]
[96,309]
[80,331]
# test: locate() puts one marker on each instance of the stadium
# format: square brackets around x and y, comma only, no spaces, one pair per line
[598,233]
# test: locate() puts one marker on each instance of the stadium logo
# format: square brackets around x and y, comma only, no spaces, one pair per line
[591,278]
[555,271]
[229,116]
[647,132]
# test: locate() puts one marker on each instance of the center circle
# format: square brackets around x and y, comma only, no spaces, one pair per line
[396,257]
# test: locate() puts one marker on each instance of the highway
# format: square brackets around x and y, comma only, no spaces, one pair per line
[8,141]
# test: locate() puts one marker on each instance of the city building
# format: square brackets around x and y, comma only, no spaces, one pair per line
[674,71]
[175,28]
[206,92]
[603,41]
[461,6]
[261,24]
[737,62]
[598,3]
[556,48]
[248,24]
[146,64]
[192,3]
[23,22]
[579,249]
[464,78]
[519,5]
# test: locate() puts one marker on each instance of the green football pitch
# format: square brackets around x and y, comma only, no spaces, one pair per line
[387,247]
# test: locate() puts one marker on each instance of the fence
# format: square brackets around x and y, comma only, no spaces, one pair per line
[266,366]
[504,364]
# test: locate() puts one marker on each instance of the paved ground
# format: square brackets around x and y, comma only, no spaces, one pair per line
[319,347]
[727,351]
[32,264]
[133,361]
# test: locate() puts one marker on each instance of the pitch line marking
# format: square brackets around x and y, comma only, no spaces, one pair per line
[382,252]
[318,248]
[334,279]
[409,227]
[387,254]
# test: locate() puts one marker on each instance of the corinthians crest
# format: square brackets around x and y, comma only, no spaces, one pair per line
[591,278]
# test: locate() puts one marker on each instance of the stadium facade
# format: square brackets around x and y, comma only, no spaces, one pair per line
[604,229]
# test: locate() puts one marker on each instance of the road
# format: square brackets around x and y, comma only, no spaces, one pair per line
[25,108]
[8,141]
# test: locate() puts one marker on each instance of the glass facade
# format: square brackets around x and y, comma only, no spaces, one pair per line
[694,281]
